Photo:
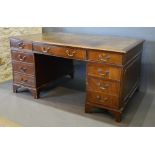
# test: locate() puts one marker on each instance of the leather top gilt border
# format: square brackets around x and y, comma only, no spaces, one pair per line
[85,41]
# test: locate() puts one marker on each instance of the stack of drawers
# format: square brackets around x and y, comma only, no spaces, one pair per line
[104,74]
[23,66]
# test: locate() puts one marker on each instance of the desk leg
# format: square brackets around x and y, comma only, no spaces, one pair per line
[117,115]
[35,93]
[88,108]
[15,88]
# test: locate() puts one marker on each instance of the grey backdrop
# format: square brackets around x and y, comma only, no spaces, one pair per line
[147,33]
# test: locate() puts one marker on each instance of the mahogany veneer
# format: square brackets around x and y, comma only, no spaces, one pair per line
[113,66]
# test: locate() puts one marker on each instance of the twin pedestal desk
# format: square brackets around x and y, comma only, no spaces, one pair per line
[112,66]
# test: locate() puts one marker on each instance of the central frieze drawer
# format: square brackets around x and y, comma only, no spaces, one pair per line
[24,80]
[23,68]
[99,85]
[66,52]
[106,72]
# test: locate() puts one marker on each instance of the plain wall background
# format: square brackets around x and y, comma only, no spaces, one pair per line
[146,33]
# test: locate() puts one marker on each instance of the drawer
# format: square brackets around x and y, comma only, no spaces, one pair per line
[23,68]
[20,44]
[72,53]
[105,57]
[99,85]
[24,80]
[23,56]
[66,52]
[103,99]
[104,71]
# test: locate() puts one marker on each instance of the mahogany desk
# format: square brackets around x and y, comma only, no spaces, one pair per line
[113,65]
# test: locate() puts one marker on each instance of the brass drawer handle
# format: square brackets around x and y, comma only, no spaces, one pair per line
[46,50]
[103,74]
[103,87]
[24,80]
[104,57]
[23,69]
[21,45]
[70,53]
[101,100]
[21,58]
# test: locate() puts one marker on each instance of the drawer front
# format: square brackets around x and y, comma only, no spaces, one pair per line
[23,57]
[105,57]
[23,68]
[24,80]
[20,44]
[103,99]
[99,85]
[71,53]
[104,71]
[65,52]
